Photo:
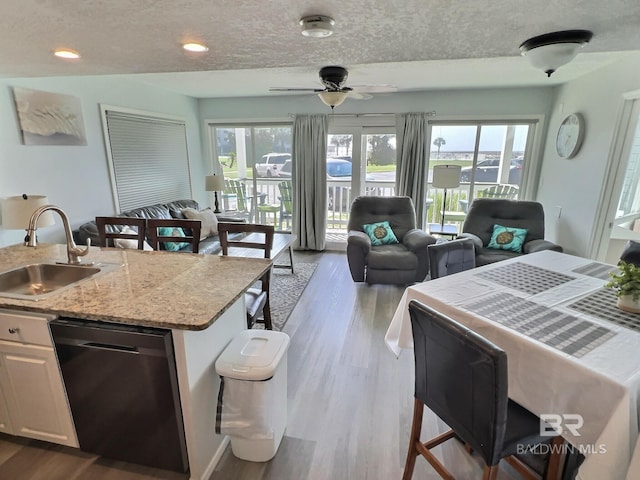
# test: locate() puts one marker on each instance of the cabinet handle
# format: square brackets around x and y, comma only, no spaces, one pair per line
[14,330]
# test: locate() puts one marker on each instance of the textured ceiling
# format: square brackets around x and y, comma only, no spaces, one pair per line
[373,38]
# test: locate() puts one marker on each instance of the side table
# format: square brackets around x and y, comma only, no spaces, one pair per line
[448,229]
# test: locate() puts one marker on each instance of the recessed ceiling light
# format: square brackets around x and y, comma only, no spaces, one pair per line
[317,26]
[195,47]
[69,54]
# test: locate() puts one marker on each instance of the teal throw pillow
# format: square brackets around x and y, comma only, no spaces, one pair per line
[507,238]
[380,233]
[172,232]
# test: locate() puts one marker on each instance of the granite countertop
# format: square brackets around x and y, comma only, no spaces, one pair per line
[153,288]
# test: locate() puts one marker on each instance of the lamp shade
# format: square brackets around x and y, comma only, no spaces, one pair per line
[16,211]
[214,183]
[446,176]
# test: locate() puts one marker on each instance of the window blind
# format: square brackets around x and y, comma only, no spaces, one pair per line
[150,162]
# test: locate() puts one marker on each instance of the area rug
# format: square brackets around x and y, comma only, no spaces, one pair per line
[286,288]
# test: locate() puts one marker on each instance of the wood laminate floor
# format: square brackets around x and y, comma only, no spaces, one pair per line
[349,401]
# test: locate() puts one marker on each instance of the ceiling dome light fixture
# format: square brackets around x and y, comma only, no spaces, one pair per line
[552,50]
[317,26]
[66,53]
[195,47]
[333,99]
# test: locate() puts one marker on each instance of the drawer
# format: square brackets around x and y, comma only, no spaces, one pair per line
[26,327]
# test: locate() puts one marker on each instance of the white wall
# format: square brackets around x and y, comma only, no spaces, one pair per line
[576,184]
[76,178]
[447,103]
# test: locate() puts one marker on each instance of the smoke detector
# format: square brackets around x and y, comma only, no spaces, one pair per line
[317,26]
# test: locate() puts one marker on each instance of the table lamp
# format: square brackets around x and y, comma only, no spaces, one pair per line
[214,183]
[16,211]
[445,176]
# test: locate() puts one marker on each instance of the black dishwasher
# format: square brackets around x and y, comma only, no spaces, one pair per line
[123,391]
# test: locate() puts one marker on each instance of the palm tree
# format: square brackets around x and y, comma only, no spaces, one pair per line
[439,142]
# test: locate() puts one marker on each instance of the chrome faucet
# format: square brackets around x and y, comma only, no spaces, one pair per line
[73,251]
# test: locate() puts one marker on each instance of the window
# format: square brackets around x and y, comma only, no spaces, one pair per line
[490,154]
[148,158]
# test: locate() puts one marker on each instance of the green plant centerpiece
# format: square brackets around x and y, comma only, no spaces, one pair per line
[626,283]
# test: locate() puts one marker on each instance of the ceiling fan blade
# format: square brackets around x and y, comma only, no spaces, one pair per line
[359,95]
[374,88]
[288,89]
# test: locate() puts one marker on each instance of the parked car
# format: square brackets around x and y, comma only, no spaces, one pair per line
[285,170]
[487,171]
[336,168]
[271,163]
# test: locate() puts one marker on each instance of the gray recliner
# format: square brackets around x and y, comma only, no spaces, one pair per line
[403,263]
[484,213]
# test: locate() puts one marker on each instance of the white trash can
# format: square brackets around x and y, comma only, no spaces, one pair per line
[253,368]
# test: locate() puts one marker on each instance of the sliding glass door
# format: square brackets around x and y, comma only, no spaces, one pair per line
[361,160]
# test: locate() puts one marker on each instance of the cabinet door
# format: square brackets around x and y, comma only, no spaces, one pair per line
[35,394]
[5,424]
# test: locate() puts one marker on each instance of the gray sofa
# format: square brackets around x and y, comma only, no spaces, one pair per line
[402,263]
[162,210]
[484,213]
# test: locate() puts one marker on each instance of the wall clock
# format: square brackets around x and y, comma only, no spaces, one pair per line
[570,135]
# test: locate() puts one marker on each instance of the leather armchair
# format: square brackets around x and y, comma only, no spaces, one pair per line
[403,263]
[484,213]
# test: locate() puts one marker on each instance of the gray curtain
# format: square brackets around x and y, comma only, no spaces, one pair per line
[412,166]
[309,176]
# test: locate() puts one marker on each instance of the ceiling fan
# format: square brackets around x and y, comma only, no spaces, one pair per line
[335,92]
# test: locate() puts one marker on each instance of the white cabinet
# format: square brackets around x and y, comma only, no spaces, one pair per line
[31,388]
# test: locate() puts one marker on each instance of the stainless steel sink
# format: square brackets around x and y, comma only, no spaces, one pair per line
[35,281]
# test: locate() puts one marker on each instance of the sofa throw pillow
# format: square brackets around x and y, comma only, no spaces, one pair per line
[172,232]
[507,238]
[208,221]
[129,243]
[380,233]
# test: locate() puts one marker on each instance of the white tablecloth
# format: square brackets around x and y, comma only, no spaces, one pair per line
[602,385]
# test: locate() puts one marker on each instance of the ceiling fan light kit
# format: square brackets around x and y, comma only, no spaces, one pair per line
[333,99]
[550,51]
[317,26]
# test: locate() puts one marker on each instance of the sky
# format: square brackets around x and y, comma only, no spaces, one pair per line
[461,138]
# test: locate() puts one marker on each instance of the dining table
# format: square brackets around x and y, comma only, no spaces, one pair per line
[573,356]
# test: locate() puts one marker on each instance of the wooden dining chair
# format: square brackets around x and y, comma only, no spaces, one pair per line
[256,299]
[462,377]
[110,236]
[174,234]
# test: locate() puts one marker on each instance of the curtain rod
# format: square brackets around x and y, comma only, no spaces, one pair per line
[432,113]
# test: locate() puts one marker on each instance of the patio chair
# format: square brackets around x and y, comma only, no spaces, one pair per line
[236,189]
[286,204]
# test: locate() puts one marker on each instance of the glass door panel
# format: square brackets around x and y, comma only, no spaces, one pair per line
[380,167]
[340,170]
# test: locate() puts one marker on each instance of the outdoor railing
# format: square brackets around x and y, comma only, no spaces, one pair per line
[339,197]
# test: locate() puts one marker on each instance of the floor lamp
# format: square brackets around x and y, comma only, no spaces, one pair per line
[214,183]
[445,176]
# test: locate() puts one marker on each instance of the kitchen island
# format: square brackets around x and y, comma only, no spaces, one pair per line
[198,297]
